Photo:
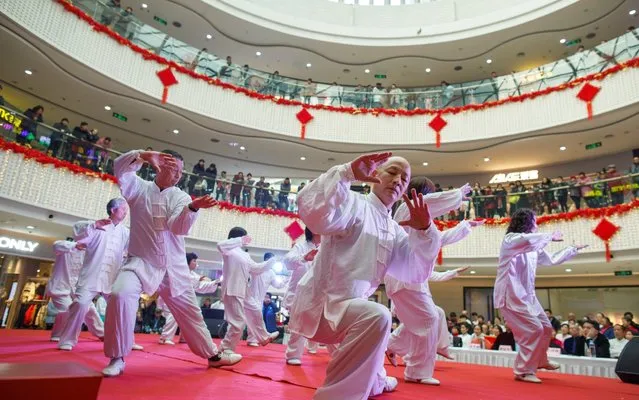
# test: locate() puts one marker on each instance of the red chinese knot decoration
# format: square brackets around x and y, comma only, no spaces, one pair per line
[294,230]
[437,124]
[587,93]
[168,79]
[304,117]
[605,230]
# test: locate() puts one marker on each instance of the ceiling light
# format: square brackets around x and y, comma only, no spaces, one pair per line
[632,12]
[144,5]
[568,270]
[367,71]
[425,164]
[427,70]
[473,272]
[242,148]
[28,72]
[209,36]
[258,53]
[562,41]
[108,108]
[30,227]
[489,61]
[176,131]
[234,144]
[303,158]
[562,148]
[308,65]
[486,159]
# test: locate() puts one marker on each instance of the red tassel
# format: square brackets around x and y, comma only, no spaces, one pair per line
[438,140]
[303,132]
[608,255]
[440,257]
[165,94]
[589,108]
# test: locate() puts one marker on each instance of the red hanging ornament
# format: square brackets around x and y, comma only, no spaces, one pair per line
[440,257]
[605,230]
[294,230]
[304,117]
[168,79]
[587,93]
[437,124]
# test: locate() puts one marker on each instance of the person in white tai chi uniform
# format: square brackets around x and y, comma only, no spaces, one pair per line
[69,257]
[258,287]
[106,243]
[416,338]
[161,215]
[443,339]
[201,285]
[361,243]
[238,269]
[522,250]
[298,260]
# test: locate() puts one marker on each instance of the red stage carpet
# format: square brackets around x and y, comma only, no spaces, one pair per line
[172,372]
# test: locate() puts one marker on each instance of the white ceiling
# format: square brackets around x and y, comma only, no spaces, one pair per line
[404,65]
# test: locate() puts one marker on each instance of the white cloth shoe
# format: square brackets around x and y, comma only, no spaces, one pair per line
[115,367]
[391,384]
[551,366]
[271,338]
[294,361]
[312,351]
[445,353]
[54,339]
[65,347]
[253,344]
[425,381]
[166,341]
[530,378]
[138,347]
[392,358]
[224,358]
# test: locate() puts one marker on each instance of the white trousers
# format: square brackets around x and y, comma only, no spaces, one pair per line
[234,316]
[170,325]
[417,336]
[532,334]
[69,323]
[443,341]
[356,370]
[257,332]
[62,303]
[123,306]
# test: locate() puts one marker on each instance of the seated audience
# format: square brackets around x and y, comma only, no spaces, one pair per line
[465,336]
[478,337]
[618,342]
[505,338]
[564,333]
[606,327]
[575,345]
[593,336]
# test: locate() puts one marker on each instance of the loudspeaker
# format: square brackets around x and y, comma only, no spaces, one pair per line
[214,320]
[627,368]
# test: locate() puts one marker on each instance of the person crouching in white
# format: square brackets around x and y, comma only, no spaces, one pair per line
[521,251]
[161,215]
[361,243]
[253,303]
[238,269]
[106,243]
[201,285]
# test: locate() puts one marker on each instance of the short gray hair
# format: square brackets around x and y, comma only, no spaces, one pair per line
[114,203]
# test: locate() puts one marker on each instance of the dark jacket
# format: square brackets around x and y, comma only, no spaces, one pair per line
[602,346]
[575,346]
[504,339]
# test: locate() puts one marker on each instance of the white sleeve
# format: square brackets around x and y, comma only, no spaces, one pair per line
[442,276]
[455,234]
[226,246]
[294,258]
[63,246]
[413,254]
[259,268]
[125,168]
[546,259]
[83,231]
[441,203]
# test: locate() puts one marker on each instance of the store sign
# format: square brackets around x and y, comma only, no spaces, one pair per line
[9,119]
[515,176]
[17,244]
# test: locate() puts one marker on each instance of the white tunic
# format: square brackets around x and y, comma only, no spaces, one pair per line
[616,346]
[159,222]
[104,254]
[258,287]
[239,268]
[66,270]
[295,262]
[200,286]
[360,244]
[518,259]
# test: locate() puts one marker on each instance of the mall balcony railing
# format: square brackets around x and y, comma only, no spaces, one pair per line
[581,63]
[584,192]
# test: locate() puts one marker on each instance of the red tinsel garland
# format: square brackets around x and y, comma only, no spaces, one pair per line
[45,159]
[226,206]
[148,55]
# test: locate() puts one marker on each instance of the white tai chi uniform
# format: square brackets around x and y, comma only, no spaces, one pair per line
[443,340]
[515,297]
[170,326]
[360,244]
[103,257]
[258,287]
[295,262]
[239,268]
[157,262]
[60,288]
[416,338]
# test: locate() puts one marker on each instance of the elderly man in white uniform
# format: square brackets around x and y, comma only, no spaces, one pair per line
[69,257]
[258,287]
[417,337]
[361,243]
[522,250]
[298,260]
[238,269]
[201,285]
[161,215]
[106,243]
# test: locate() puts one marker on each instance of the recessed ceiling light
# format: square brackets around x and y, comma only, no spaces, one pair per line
[425,164]
[209,36]
[367,71]
[308,65]
[108,108]
[562,148]
[473,272]
[632,12]
[258,53]
[427,70]
[302,158]
[28,72]
[234,144]
[489,61]
[144,5]
[486,159]
[562,41]
[242,148]
[176,131]
[30,227]
[568,270]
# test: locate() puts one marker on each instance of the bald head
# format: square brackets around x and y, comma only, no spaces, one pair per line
[394,175]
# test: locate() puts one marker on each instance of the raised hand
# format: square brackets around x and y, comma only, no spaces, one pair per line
[158,160]
[557,236]
[365,167]
[465,191]
[419,215]
[310,256]
[246,240]
[461,269]
[102,223]
[203,202]
[474,223]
